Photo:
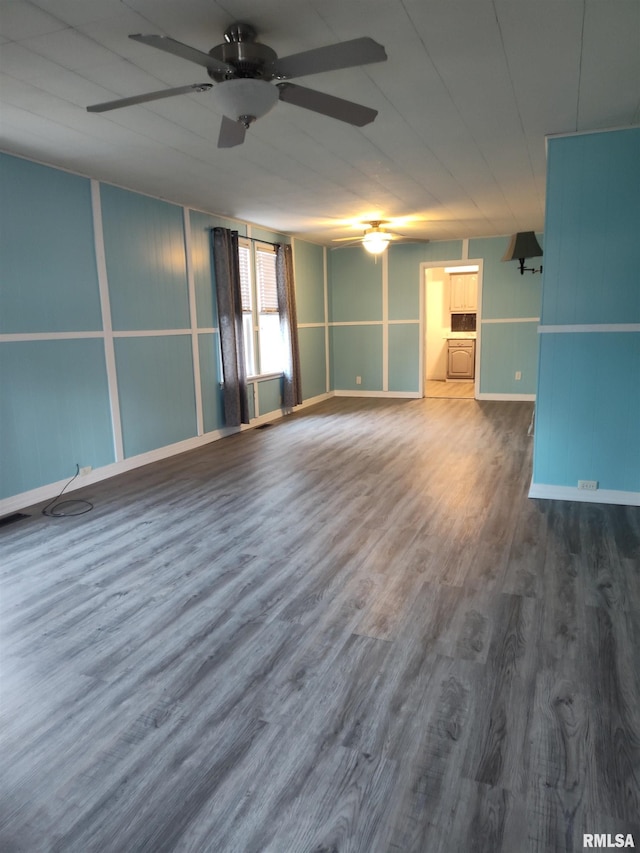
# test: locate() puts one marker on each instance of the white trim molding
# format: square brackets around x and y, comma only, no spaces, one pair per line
[409,395]
[357,323]
[193,318]
[572,493]
[511,320]
[105,307]
[105,472]
[48,336]
[385,321]
[589,327]
[51,490]
[516,397]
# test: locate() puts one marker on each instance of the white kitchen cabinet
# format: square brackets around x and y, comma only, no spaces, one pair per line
[463,293]
[461,358]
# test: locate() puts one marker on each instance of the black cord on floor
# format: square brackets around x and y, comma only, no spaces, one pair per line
[52,509]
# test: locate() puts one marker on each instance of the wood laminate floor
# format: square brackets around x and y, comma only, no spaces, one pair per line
[458,389]
[351,631]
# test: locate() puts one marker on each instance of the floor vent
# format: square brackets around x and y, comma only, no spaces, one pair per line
[263,426]
[15,516]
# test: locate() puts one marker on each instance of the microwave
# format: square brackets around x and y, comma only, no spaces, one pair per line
[463,322]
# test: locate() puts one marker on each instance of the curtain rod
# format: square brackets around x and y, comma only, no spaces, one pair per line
[266,242]
[256,239]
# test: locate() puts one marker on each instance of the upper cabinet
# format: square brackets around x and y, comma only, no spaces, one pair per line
[463,292]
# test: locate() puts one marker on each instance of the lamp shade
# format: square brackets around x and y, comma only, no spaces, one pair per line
[245,97]
[523,245]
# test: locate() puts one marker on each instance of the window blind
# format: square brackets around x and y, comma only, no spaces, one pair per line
[244,256]
[266,281]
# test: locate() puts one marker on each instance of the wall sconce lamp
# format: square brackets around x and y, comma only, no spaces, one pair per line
[524,245]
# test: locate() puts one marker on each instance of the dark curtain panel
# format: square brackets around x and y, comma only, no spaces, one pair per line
[292,391]
[227,272]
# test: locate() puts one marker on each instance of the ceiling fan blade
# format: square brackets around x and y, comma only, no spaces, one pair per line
[343,54]
[328,105]
[150,96]
[232,133]
[177,48]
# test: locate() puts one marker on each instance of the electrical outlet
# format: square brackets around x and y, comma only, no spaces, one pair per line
[518,375]
[589,485]
[86,470]
[358,380]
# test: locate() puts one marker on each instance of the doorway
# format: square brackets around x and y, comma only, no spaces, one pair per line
[452,300]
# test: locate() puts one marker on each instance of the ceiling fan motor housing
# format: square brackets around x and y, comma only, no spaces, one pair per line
[241,50]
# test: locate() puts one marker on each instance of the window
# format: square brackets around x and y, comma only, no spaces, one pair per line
[261,319]
[244,255]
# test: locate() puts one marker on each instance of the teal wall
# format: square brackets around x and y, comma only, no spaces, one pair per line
[202,263]
[269,395]
[355,286]
[588,408]
[54,411]
[146,261]
[309,268]
[510,312]
[404,341]
[356,351]
[56,402]
[48,281]
[313,360]
[157,399]
[507,348]
[211,381]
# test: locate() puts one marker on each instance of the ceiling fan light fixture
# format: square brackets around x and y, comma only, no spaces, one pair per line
[376,242]
[243,98]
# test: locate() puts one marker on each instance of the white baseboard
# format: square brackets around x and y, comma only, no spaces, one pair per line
[44,493]
[405,395]
[313,401]
[572,493]
[515,397]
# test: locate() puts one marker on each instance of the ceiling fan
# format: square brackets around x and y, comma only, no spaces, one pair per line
[376,238]
[243,69]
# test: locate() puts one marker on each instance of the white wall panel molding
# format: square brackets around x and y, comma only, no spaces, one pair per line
[488,321]
[105,306]
[573,493]
[124,333]
[385,321]
[357,323]
[49,336]
[193,316]
[327,355]
[589,327]
[149,333]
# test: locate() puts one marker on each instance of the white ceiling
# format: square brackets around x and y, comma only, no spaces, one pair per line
[465,99]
